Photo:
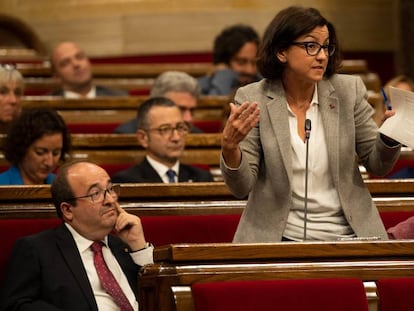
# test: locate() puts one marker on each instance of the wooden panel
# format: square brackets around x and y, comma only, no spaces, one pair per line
[184,301]
[130,27]
[30,70]
[140,70]
[177,199]
[185,264]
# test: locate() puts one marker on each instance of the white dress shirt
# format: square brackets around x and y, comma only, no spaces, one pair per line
[74,95]
[162,169]
[103,299]
[325,218]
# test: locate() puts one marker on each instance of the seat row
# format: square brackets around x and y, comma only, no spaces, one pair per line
[386,294]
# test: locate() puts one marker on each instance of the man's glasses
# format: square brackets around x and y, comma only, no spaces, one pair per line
[98,196]
[168,130]
[314,48]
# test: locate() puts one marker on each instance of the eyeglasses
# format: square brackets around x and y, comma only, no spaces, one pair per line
[314,48]
[99,195]
[168,130]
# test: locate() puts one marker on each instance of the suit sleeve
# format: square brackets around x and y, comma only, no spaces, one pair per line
[22,285]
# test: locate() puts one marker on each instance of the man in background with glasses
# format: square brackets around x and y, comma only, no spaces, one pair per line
[161,131]
[91,261]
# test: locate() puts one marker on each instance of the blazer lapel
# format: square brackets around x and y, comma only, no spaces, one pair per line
[278,117]
[69,251]
[149,173]
[330,111]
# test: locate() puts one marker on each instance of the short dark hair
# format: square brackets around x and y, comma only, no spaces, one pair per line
[283,30]
[229,42]
[147,105]
[60,189]
[31,125]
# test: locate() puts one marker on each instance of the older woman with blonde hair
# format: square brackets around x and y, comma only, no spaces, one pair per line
[11,91]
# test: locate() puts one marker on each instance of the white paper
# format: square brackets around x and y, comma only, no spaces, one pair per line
[400,127]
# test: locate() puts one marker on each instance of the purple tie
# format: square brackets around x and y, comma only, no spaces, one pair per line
[107,279]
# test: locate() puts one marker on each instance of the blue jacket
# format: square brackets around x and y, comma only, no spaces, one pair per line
[13,177]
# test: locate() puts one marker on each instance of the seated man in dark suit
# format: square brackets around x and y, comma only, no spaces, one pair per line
[73,70]
[178,86]
[66,268]
[161,131]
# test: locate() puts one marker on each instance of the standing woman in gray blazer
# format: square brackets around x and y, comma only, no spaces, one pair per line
[264,144]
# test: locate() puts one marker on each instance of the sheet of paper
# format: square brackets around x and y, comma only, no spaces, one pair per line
[401,126]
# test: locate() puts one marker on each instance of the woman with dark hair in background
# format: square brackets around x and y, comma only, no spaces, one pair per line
[35,144]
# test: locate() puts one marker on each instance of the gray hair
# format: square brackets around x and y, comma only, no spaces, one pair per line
[10,73]
[175,81]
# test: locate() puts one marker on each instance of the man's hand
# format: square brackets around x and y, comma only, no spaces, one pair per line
[129,229]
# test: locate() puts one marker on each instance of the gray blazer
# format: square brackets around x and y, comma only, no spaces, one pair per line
[265,172]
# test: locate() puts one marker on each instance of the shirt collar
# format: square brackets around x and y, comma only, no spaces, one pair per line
[82,243]
[162,169]
[74,95]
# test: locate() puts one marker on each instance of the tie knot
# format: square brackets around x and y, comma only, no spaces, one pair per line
[171,175]
[96,246]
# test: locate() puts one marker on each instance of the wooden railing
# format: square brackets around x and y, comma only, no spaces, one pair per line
[138,78]
[186,264]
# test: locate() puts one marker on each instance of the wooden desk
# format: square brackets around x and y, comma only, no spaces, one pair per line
[185,264]
[181,199]
[117,109]
[152,70]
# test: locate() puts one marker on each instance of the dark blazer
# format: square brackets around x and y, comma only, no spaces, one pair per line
[46,272]
[100,91]
[144,172]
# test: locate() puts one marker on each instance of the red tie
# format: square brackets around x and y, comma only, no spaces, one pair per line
[107,279]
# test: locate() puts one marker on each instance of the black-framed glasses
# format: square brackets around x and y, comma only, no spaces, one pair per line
[98,196]
[314,48]
[168,130]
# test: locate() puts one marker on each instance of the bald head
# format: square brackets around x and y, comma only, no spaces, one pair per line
[72,67]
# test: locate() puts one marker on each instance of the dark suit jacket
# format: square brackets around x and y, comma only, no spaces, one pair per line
[100,91]
[144,172]
[46,273]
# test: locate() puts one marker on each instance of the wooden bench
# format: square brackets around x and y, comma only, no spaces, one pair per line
[149,199]
[152,70]
[138,78]
[103,115]
[115,152]
[186,264]
[184,300]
